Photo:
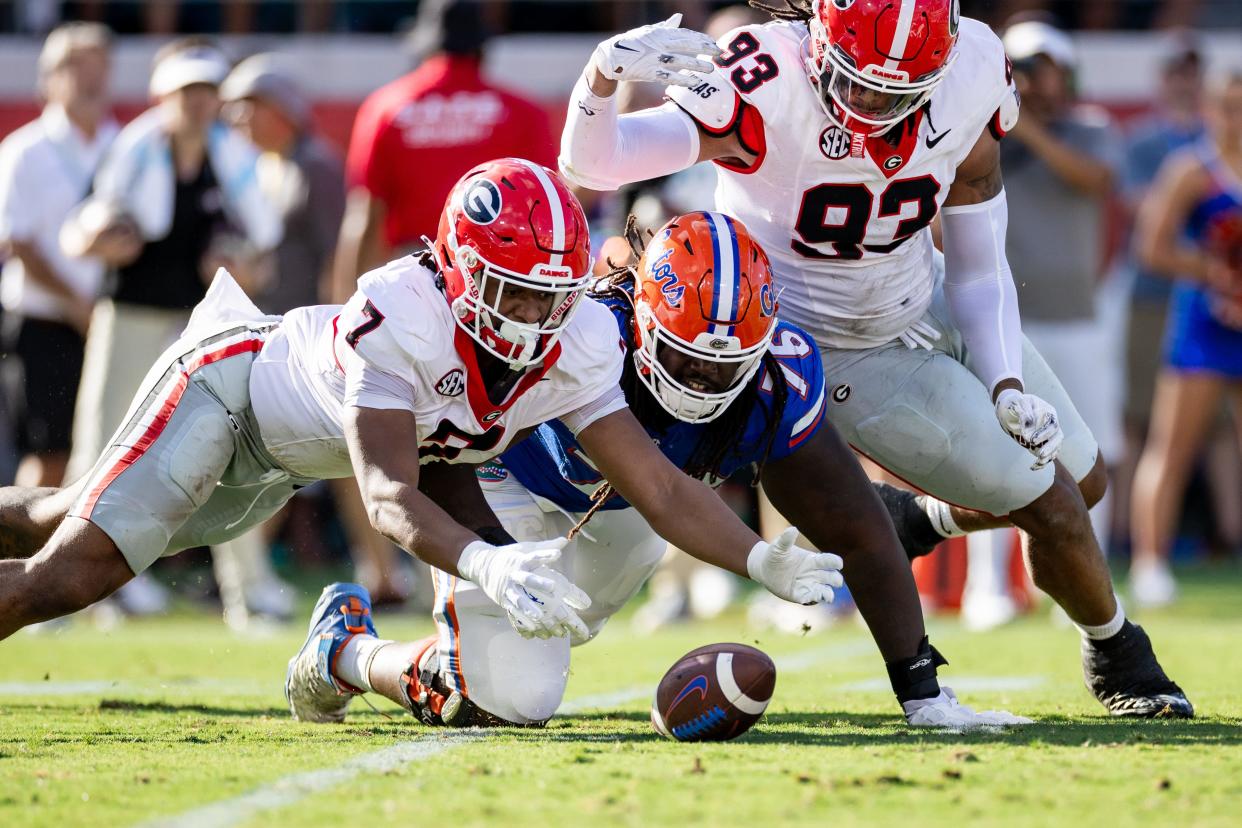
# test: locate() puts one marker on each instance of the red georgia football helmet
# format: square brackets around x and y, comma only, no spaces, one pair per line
[874,62]
[703,288]
[513,224]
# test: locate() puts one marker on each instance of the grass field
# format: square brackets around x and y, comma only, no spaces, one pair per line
[178,721]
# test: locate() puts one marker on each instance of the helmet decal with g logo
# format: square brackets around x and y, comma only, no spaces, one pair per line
[842,4]
[767,300]
[481,203]
[955,17]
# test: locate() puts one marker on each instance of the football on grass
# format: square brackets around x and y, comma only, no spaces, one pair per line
[714,693]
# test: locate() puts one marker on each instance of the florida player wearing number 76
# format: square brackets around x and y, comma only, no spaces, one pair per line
[720,385]
[839,131]
[437,363]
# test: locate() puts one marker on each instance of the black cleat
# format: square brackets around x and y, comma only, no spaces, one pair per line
[1125,676]
[914,528]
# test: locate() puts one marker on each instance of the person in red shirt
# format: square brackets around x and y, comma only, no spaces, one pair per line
[413,138]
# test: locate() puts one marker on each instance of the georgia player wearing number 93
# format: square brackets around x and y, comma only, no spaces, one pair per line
[839,132]
[438,362]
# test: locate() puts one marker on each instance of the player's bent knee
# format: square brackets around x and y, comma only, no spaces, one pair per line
[1056,514]
[536,700]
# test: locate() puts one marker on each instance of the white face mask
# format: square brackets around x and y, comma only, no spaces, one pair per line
[687,404]
[520,344]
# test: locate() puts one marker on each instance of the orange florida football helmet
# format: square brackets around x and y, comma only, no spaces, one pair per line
[874,62]
[704,288]
[513,224]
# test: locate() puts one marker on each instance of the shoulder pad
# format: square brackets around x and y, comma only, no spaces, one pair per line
[591,349]
[390,322]
[711,101]
[988,76]
[805,395]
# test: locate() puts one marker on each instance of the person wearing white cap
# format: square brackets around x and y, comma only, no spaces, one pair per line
[1060,166]
[45,169]
[300,172]
[176,198]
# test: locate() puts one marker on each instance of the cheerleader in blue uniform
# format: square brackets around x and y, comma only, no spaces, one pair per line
[1190,229]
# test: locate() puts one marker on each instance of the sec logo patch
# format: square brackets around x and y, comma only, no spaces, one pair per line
[834,142]
[452,383]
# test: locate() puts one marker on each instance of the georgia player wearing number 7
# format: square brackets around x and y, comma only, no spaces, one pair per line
[839,131]
[449,356]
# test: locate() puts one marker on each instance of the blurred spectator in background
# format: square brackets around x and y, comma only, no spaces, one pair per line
[1190,228]
[1175,122]
[45,170]
[176,197]
[414,137]
[299,172]
[412,140]
[305,178]
[1061,161]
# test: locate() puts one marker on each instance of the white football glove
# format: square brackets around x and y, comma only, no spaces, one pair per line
[1032,423]
[539,601]
[945,711]
[919,335]
[659,53]
[794,573]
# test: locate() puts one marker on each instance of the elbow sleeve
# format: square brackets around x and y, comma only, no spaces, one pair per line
[979,288]
[603,151]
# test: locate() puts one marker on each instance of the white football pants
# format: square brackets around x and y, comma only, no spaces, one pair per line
[523,679]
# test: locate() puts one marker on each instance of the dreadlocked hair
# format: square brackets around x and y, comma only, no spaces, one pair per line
[721,438]
[787,10]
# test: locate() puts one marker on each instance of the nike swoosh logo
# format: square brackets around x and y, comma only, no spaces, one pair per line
[697,684]
[932,144]
[626,48]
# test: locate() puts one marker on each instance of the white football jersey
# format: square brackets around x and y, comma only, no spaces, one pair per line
[395,345]
[845,225]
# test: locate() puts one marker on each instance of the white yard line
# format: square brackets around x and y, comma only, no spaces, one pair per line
[289,790]
[229,687]
[961,684]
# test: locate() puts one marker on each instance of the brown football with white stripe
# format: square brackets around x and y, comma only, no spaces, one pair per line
[714,693]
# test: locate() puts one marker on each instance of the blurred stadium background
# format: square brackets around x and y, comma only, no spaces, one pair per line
[340,52]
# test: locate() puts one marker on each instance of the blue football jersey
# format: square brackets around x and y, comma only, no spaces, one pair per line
[552,465]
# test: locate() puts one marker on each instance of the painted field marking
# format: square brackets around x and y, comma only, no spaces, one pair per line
[230,687]
[289,790]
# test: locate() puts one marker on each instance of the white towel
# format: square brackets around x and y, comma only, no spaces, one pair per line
[137,176]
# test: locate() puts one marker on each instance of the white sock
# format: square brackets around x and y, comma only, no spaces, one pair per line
[1104,630]
[353,665]
[938,512]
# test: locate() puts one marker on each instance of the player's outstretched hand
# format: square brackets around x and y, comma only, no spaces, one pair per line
[1031,422]
[540,602]
[794,573]
[945,711]
[660,53]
